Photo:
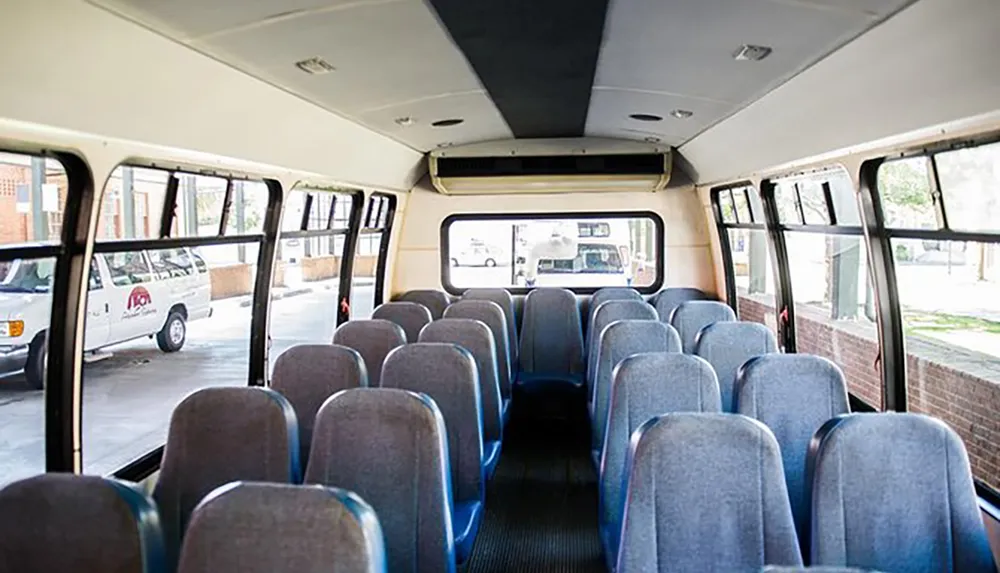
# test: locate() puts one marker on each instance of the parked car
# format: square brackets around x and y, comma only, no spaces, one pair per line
[479,254]
[131,295]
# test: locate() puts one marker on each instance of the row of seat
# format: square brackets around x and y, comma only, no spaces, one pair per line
[550,344]
[888,492]
[89,524]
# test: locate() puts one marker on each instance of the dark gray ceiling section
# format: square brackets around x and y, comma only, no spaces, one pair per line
[536,58]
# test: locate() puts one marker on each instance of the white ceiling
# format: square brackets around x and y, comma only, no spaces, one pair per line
[393,58]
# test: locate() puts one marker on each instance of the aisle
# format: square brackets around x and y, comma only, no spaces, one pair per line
[541,507]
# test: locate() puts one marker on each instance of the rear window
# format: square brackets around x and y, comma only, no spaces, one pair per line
[579,251]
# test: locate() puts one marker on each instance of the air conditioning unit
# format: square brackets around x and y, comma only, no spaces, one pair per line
[551,166]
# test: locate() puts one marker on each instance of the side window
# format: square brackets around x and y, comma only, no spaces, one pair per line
[171,263]
[127,268]
[95,282]
[199,262]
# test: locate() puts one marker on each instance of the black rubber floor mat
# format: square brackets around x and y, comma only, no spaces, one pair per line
[541,506]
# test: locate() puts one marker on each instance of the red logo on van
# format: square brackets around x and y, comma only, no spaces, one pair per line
[138,298]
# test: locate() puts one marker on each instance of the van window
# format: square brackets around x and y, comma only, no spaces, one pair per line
[171,263]
[577,251]
[128,268]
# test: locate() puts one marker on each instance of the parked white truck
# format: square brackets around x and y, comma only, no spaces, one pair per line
[131,295]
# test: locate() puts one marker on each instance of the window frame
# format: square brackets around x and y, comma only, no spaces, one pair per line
[445,256]
[63,375]
[266,240]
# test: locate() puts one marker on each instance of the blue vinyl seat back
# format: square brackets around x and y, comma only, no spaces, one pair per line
[435,301]
[608,312]
[793,395]
[307,374]
[252,527]
[220,435]
[390,447]
[688,318]
[373,339]
[490,314]
[503,298]
[410,316]
[706,492]
[551,337]
[894,492]
[84,524]
[619,340]
[669,299]
[727,345]
[646,386]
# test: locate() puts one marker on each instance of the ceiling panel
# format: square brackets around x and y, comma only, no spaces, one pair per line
[686,47]
[610,110]
[194,18]
[482,120]
[384,54]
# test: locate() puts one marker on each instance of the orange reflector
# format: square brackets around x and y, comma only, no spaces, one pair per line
[16,328]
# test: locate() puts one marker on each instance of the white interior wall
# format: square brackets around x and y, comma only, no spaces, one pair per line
[688,252]
[933,63]
[74,66]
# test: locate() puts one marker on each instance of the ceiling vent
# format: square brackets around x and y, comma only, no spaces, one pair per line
[580,170]
[315,66]
[751,53]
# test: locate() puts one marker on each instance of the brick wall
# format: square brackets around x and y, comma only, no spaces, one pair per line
[960,387]
[965,393]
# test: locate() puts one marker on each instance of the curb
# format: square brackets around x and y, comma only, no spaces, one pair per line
[279,296]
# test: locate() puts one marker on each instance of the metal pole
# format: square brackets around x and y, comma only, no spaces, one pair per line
[39,220]
[128,202]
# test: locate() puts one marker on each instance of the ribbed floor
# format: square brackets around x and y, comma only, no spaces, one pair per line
[541,506]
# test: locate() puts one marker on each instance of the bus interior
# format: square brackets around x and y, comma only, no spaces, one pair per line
[527,286]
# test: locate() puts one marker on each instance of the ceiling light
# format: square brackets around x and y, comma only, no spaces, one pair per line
[444,144]
[405,121]
[681,113]
[448,122]
[651,139]
[645,117]
[315,66]
[751,53]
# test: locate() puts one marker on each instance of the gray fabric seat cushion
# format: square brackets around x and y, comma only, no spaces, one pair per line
[669,299]
[503,298]
[551,335]
[219,435]
[706,492]
[447,373]
[390,447]
[608,312]
[619,340]
[793,395]
[273,528]
[602,296]
[373,339]
[490,314]
[690,317]
[308,374]
[894,492]
[84,524]
[646,386]
[727,345]
[435,301]
[410,316]
[476,337]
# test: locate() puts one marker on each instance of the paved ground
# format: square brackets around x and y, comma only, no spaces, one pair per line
[128,397]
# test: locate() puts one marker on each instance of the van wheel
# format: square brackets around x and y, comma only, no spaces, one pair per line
[173,334]
[491,263]
[34,368]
